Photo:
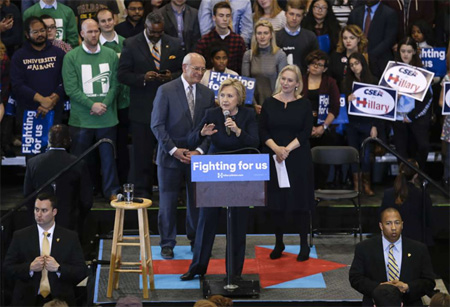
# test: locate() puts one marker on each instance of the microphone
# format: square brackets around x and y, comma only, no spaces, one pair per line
[226,114]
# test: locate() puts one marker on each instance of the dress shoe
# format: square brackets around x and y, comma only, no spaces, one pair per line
[277,251]
[304,253]
[189,276]
[167,252]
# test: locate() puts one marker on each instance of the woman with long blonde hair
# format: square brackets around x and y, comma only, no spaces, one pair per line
[285,127]
[263,61]
[269,10]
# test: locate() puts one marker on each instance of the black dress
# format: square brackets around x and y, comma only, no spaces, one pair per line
[283,125]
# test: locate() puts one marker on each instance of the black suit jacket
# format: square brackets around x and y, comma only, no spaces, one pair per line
[73,189]
[191,27]
[382,35]
[135,61]
[25,248]
[368,270]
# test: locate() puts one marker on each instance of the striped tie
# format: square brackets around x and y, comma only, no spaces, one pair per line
[156,57]
[394,273]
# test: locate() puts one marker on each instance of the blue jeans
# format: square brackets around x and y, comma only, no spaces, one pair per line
[82,139]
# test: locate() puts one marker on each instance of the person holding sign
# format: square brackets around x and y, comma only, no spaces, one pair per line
[413,116]
[359,128]
[285,128]
[445,135]
[219,59]
[228,127]
[263,61]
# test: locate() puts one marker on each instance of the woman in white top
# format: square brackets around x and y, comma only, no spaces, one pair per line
[219,60]
[271,11]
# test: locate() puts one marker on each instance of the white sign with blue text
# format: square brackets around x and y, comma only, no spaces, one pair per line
[446,105]
[216,79]
[408,80]
[220,168]
[373,101]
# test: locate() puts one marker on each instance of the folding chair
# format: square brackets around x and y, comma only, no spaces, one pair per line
[337,155]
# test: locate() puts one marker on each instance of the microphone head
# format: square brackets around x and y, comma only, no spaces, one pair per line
[226,113]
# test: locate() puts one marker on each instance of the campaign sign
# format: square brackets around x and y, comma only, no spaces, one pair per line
[433,59]
[10,108]
[35,131]
[220,168]
[408,80]
[324,102]
[373,101]
[446,106]
[216,79]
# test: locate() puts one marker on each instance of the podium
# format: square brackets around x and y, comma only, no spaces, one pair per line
[230,181]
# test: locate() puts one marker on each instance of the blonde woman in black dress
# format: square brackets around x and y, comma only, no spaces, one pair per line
[285,129]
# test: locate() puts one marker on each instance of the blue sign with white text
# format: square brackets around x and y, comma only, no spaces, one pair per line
[216,79]
[220,168]
[433,59]
[35,131]
[446,104]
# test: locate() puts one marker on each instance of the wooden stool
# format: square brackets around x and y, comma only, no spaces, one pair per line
[146,263]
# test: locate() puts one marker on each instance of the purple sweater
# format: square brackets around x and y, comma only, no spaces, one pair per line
[34,72]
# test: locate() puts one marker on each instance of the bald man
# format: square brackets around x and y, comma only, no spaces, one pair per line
[89,74]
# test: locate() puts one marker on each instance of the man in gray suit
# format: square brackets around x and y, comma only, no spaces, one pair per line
[178,108]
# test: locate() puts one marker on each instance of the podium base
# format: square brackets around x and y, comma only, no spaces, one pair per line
[241,288]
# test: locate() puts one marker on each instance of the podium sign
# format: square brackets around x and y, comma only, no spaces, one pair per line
[221,168]
[230,180]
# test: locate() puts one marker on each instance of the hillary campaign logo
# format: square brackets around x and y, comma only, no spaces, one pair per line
[373,101]
[407,80]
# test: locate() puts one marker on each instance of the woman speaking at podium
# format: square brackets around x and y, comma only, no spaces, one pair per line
[225,128]
[285,128]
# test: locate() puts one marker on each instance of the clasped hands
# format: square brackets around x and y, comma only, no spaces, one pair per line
[403,287]
[46,104]
[282,153]
[44,262]
[164,76]
[184,155]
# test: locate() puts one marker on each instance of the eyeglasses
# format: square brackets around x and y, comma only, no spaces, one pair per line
[320,8]
[355,63]
[34,32]
[50,28]
[317,65]
[135,9]
[198,69]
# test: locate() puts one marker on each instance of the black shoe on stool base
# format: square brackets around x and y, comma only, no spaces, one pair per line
[167,252]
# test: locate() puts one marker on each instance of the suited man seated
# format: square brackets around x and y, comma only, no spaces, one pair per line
[44,260]
[391,259]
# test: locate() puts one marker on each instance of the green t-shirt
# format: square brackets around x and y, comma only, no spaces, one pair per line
[90,78]
[66,23]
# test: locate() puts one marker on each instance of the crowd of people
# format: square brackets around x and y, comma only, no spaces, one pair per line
[144,82]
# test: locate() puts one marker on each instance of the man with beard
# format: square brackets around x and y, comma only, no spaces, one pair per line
[134,24]
[89,74]
[36,72]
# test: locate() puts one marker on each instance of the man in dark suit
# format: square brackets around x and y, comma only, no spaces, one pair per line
[381,32]
[73,189]
[148,60]
[44,260]
[179,107]
[392,260]
[188,31]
